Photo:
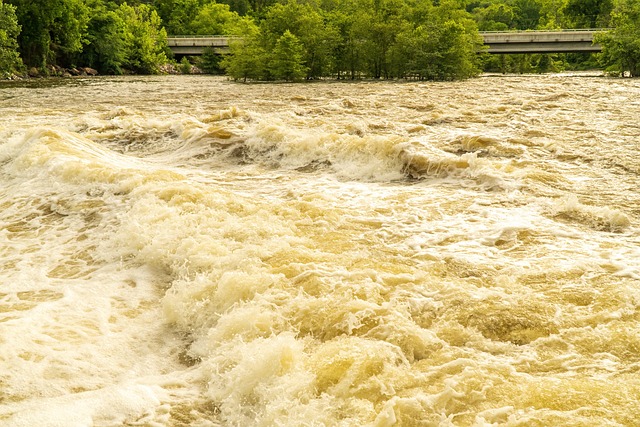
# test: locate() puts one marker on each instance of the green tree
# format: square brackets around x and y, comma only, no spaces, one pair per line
[349,22]
[214,18]
[551,14]
[443,45]
[185,66]
[588,13]
[9,31]
[286,62]
[209,61]
[389,19]
[305,22]
[246,60]
[177,15]
[621,46]
[52,30]
[241,7]
[365,32]
[106,48]
[495,17]
[526,13]
[145,38]
[437,51]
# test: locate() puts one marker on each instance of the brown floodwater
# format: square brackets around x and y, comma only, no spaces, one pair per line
[189,251]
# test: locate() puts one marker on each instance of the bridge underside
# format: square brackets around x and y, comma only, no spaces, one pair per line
[195,50]
[503,48]
[558,47]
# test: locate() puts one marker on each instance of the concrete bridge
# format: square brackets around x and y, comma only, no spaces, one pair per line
[195,45]
[560,41]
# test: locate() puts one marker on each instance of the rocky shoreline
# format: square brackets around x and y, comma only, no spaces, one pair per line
[57,71]
[53,71]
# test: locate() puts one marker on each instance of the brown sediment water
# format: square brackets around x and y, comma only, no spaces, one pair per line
[185,250]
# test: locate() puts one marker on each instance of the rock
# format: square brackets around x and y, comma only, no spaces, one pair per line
[51,70]
[168,69]
[33,72]
[90,71]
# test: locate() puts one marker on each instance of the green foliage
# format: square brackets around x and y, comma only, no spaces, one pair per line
[621,46]
[177,15]
[365,32]
[246,61]
[185,66]
[123,38]
[287,59]
[106,49]
[439,51]
[346,53]
[145,38]
[214,18]
[304,21]
[424,39]
[551,16]
[209,61]
[51,29]
[588,13]
[241,7]
[495,17]
[527,14]
[9,30]
[525,63]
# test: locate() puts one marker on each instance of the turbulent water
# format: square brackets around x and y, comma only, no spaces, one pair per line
[187,251]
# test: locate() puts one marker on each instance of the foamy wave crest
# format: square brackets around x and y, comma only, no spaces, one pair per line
[350,156]
[600,218]
[369,157]
[231,136]
[72,158]
[487,145]
[184,138]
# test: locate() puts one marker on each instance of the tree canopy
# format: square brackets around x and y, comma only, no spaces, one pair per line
[621,45]
[9,30]
[418,39]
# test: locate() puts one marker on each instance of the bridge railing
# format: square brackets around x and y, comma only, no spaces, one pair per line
[201,36]
[559,30]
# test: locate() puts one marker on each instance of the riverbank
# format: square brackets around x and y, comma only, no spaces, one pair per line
[57,71]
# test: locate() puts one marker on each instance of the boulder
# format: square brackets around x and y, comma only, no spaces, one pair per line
[90,71]
[33,72]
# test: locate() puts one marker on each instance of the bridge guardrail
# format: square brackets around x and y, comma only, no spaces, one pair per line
[559,30]
[201,36]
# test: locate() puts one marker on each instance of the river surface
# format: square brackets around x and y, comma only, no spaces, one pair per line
[188,251]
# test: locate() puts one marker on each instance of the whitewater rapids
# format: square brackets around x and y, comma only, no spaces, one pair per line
[188,251]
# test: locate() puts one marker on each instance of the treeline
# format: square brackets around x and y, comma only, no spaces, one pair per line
[110,36]
[307,39]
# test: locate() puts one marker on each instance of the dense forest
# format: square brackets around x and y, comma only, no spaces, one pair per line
[308,39]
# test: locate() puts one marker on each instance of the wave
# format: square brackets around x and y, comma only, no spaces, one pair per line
[235,137]
[601,218]
[55,153]
[284,316]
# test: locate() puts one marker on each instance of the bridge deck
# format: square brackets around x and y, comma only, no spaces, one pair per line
[541,41]
[562,41]
[195,45]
